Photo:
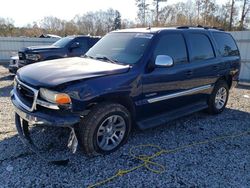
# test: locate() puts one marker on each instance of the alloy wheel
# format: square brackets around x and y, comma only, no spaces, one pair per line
[111,132]
[220,98]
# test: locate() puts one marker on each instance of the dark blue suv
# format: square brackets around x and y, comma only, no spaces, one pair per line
[135,77]
[70,46]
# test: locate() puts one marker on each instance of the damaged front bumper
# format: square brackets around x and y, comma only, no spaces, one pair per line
[44,117]
[24,118]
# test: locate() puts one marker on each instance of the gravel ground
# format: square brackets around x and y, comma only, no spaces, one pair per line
[217,164]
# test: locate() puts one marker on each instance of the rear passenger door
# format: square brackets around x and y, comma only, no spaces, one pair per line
[205,65]
[229,54]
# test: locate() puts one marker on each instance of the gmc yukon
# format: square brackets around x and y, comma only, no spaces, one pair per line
[135,77]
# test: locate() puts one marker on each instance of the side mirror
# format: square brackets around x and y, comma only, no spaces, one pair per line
[75,45]
[164,61]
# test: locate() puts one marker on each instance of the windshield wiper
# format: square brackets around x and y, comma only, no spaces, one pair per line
[105,58]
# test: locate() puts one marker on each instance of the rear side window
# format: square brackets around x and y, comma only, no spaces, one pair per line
[226,44]
[172,45]
[201,47]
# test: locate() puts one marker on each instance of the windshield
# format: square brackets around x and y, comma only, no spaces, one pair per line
[63,42]
[125,48]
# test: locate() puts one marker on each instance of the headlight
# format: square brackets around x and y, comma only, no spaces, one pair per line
[55,97]
[33,57]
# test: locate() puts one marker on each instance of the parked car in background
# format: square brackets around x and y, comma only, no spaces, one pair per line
[135,77]
[50,36]
[13,65]
[70,46]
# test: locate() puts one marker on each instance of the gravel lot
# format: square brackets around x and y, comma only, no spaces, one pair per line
[217,164]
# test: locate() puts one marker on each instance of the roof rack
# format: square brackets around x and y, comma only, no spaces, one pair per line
[198,26]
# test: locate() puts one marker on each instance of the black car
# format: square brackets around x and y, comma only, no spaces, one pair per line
[71,46]
[135,77]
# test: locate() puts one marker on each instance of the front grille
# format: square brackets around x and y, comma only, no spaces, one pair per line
[26,95]
[21,56]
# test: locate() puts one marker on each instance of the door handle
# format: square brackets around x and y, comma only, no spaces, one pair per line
[189,73]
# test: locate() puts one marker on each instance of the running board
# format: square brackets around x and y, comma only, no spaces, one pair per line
[166,117]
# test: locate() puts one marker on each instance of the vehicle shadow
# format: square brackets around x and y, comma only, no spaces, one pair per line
[53,141]
[7,78]
[4,64]
[5,90]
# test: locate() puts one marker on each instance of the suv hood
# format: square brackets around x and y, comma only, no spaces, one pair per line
[55,72]
[39,48]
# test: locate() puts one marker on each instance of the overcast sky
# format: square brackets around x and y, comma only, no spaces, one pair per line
[27,11]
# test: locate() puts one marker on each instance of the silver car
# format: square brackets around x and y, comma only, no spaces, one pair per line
[13,66]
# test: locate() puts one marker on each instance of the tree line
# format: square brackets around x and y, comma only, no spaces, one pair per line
[231,16]
[92,23]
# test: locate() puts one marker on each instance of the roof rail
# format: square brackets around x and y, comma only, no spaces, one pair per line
[198,26]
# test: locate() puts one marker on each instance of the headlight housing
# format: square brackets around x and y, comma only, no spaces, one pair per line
[33,57]
[55,97]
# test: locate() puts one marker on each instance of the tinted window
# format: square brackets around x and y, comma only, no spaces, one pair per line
[172,45]
[226,44]
[63,42]
[201,47]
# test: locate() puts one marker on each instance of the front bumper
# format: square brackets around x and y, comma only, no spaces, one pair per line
[23,118]
[45,117]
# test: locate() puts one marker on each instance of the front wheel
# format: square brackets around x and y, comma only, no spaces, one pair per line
[105,128]
[219,97]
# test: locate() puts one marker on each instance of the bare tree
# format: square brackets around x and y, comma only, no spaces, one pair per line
[231,14]
[52,24]
[198,5]
[191,12]
[207,8]
[125,23]
[117,20]
[6,27]
[98,23]
[244,12]
[143,8]
[157,2]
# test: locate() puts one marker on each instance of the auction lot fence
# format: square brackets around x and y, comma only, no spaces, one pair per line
[243,41]
[10,45]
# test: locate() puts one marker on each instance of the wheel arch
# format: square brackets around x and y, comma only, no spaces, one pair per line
[123,100]
[228,79]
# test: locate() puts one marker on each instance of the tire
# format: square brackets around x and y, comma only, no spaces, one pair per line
[218,99]
[100,126]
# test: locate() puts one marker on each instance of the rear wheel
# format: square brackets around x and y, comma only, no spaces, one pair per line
[105,128]
[219,97]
